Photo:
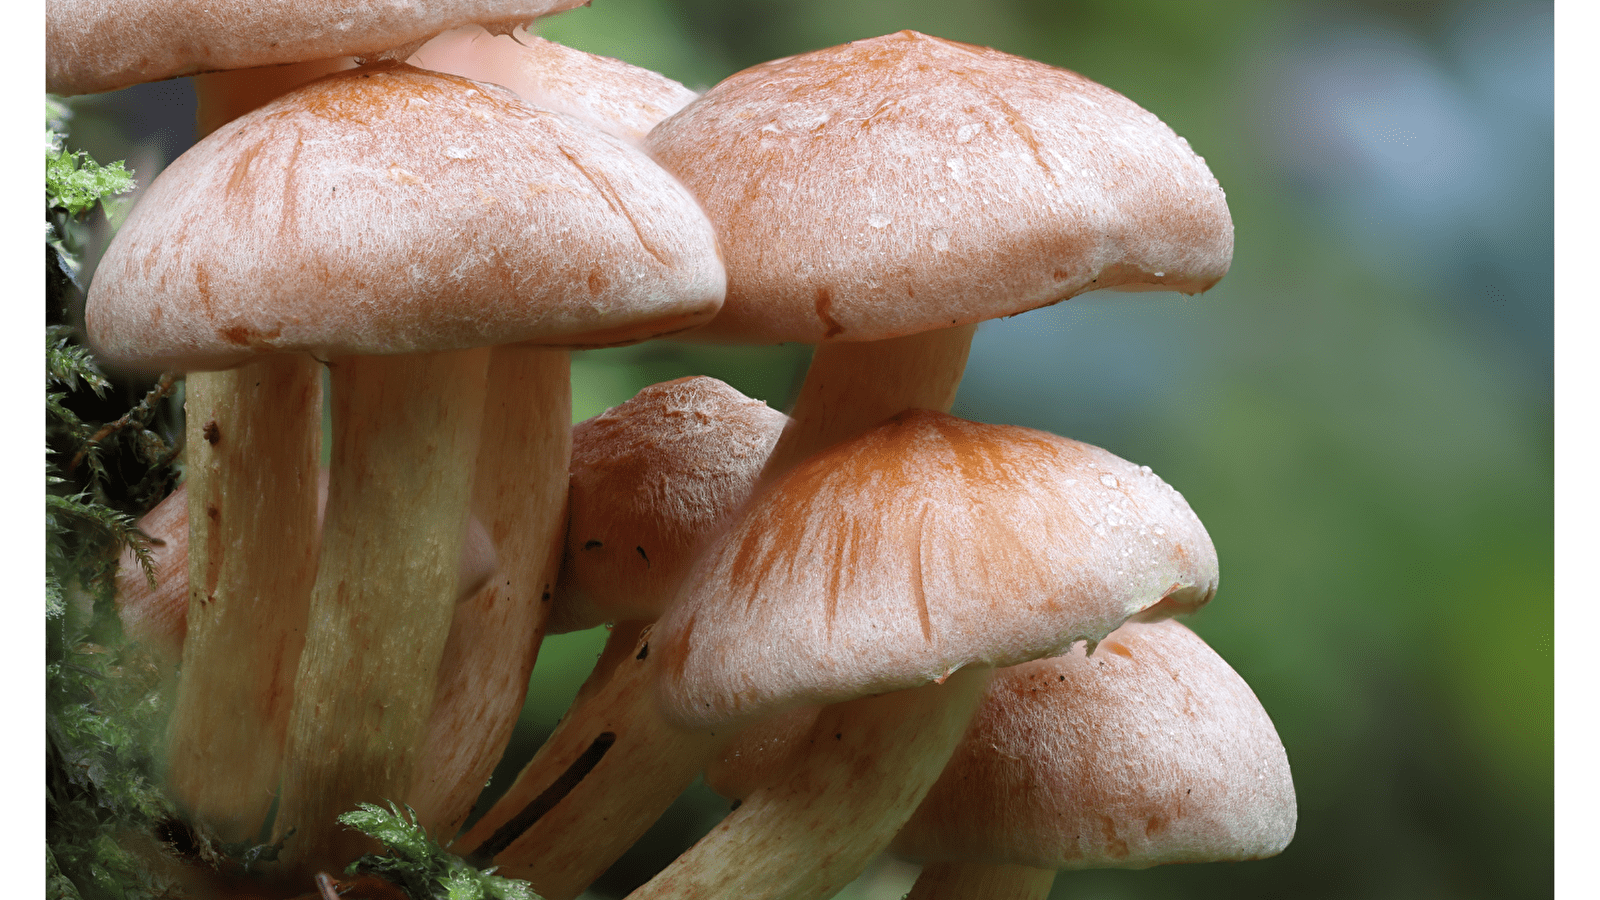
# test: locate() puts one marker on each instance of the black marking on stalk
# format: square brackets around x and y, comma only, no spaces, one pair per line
[592,545]
[546,801]
[644,650]
[646,558]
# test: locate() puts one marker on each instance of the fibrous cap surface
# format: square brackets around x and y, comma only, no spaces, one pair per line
[928,544]
[889,186]
[102,45]
[652,481]
[1150,751]
[609,94]
[391,210]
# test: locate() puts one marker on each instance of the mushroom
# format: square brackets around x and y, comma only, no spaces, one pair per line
[882,197]
[102,45]
[1147,752]
[902,564]
[490,654]
[653,480]
[484,221]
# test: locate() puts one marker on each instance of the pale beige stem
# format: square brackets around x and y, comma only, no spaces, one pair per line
[606,774]
[853,386]
[398,495]
[964,881]
[520,496]
[807,836]
[253,434]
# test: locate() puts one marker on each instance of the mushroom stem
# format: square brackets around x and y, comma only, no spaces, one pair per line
[253,435]
[520,495]
[853,386]
[956,881]
[398,496]
[628,766]
[871,762]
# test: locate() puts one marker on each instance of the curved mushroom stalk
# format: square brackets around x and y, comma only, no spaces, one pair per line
[519,494]
[611,767]
[384,597]
[253,437]
[870,763]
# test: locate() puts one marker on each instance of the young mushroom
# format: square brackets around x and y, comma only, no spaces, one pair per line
[882,197]
[903,564]
[653,481]
[396,219]
[1150,751]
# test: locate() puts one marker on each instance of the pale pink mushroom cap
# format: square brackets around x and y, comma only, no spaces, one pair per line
[390,210]
[927,544]
[1150,751]
[653,480]
[102,45]
[609,94]
[890,186]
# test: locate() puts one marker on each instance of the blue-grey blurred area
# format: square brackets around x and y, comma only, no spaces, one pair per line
[1360,411]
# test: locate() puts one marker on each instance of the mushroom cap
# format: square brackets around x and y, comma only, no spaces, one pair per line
[609,94]
[652,480]
[391,210]
[1150,751]
[927,544]
[102,45]
[888,186]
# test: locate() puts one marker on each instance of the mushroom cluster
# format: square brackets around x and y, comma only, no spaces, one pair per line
[839,615]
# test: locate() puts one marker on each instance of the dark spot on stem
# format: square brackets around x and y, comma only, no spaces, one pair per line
[643,555]
[212,432]
[213,513]
[592,545]
[644,650]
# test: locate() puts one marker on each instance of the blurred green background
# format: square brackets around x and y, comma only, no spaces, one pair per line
[1360,412]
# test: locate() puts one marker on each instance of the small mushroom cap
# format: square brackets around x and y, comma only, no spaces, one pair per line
[652,481]
[609,94]
[1150,751]
[893,185]
[391,210]
[102,45]
[927,544]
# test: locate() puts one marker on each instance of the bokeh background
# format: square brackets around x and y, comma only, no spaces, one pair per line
[1361,412]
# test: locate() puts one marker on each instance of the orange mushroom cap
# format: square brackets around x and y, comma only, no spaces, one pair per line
[928,544]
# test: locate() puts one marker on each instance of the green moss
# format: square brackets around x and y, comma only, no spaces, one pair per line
[419,865]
